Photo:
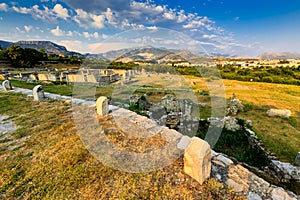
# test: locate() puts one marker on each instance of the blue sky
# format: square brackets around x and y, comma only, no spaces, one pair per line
[244,28]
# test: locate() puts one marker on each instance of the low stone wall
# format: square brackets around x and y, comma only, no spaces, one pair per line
[245,182]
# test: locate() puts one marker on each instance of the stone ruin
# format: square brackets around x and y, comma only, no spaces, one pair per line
[179,114]
[38,93]
[6,85]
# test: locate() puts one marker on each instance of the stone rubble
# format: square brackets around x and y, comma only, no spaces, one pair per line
[229,123]
[286,171]
[242,181]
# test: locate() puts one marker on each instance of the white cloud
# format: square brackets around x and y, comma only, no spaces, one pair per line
[75,45]
[147,7]
[181,16]
[169,15]
[94,35]
[85,19]
[44,13]
[61,11]
[3,7]
[205,36]
[152,28]
[110,17]
[19,30]
[200,22]
[105,47]
[57,32]
[27,28]
[22,10]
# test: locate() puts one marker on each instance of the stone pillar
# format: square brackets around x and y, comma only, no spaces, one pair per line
[38,93]
[6,85]
[297,160]
[102,106]
[197,160]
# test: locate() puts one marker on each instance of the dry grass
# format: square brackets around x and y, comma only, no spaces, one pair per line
[54,164]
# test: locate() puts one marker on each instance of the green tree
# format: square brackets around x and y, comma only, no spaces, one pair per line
[4,55]
[15,54]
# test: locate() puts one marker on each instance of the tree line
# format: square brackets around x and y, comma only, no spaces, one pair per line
[28,57]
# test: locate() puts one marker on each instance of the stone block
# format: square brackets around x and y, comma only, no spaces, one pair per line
[197,160]
[102,106]
[38,93]
[238,178]
[184,142]
[171,135]
[279,113]
[280,194]
[6,85]
[222,161]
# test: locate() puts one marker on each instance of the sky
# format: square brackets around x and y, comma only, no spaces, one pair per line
[231,27]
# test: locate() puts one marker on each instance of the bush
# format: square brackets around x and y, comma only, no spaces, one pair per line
[248,106]
[267,79]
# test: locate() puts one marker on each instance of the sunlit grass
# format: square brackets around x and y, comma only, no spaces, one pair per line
[281,136]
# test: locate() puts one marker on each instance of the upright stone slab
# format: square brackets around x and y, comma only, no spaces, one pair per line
[197,160]
[297,160]
[38,93]
[102,106]
[6,85]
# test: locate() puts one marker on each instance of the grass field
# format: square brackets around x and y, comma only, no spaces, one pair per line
[281,136]
[54,164]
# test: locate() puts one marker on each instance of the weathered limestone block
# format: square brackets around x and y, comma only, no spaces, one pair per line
[184,142]
[238,178]
[222,160]
[171,135]
[279,113]
[280,194]
[297,160]
[197,160]
[102,106]
[38,93]
[6,85]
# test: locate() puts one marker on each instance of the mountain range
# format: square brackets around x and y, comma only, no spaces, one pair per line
[49,47]
[144,53]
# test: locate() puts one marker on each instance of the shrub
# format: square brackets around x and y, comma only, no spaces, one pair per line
[267,79]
